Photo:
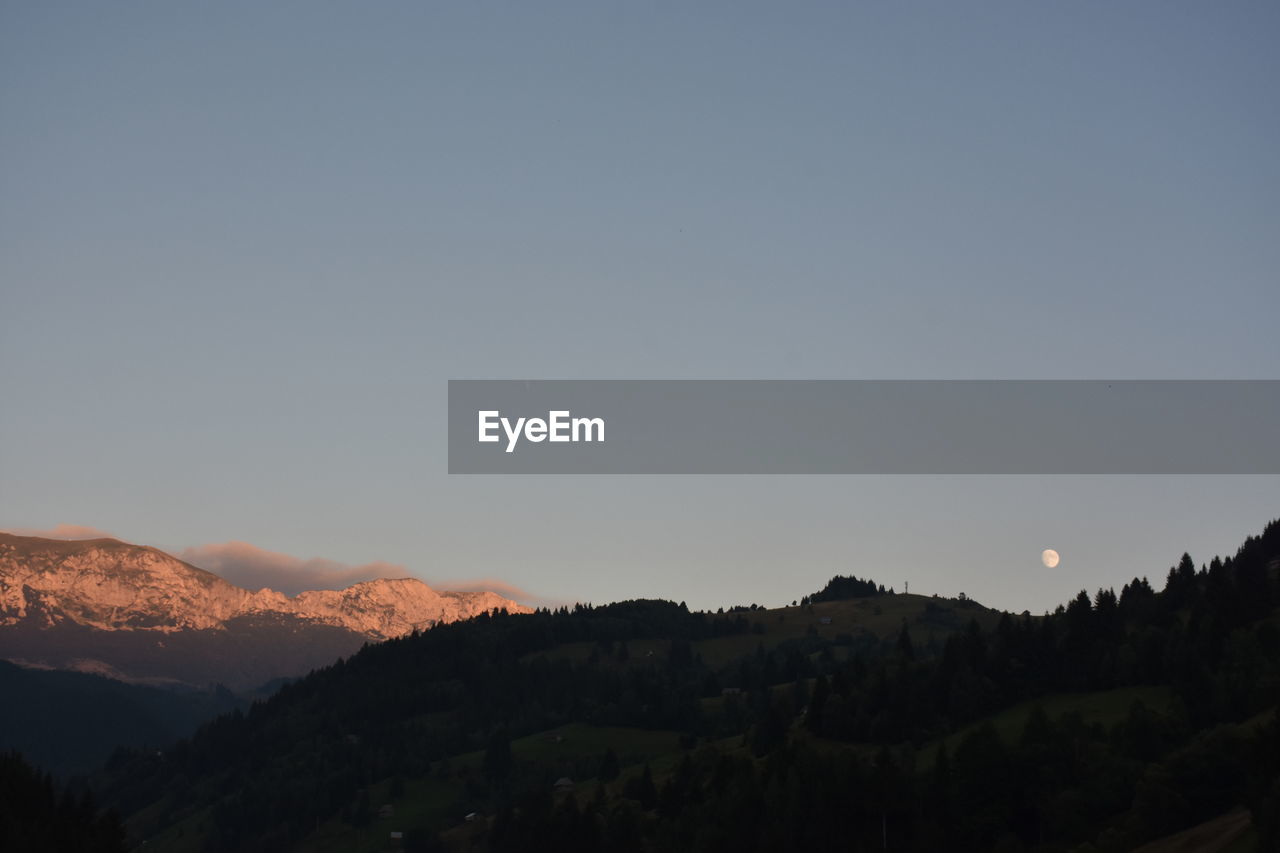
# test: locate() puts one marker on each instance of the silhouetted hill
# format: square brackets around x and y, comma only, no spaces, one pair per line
[929,723]
[841,588]
[37,815]
[70,722]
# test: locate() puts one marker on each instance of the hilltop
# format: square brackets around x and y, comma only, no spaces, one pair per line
[935,723]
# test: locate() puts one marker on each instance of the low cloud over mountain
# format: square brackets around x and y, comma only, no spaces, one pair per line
[255,568]
[62,531]
[502,588]
[135,612]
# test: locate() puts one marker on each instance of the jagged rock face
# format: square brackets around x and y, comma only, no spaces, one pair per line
[110,585]
[103,583]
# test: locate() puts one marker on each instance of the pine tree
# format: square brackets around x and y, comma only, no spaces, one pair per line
[497,756]
[817,704]
[608,766]
[905,647]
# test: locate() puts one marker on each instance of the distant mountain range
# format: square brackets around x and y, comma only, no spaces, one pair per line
[138,614]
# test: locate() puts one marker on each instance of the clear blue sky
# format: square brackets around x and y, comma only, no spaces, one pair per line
[243,247]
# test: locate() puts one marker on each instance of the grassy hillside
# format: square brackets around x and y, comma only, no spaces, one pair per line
[1104,708]
[1230,833]
[865,623]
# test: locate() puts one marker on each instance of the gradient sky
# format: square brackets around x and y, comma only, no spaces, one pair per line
[243,247]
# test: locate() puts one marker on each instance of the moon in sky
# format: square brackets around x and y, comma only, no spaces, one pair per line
[1049,558]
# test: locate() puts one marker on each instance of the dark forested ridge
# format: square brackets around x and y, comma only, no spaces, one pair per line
[248,651]
[43,716]
[842,587]
[877,721]
[38,815]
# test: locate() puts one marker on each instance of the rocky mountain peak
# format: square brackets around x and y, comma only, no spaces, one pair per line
[111,585]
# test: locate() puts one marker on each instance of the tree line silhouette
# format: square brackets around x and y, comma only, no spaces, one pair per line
[845,738]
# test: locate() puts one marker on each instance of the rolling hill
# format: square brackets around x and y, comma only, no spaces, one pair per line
[1117,720]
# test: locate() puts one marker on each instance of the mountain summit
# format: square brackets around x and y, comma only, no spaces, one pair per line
[69,604]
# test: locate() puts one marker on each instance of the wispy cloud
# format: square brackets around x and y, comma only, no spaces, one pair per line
[63,531]
[502,588]
[253,568]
